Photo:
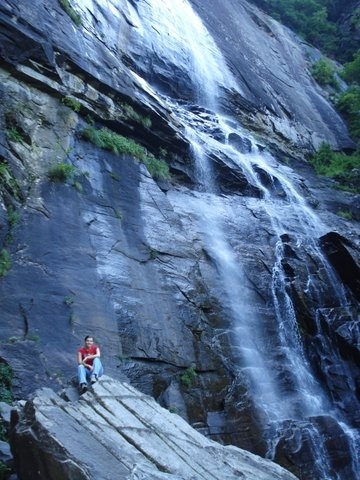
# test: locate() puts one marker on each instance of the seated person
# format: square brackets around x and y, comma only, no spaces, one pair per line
[89,363]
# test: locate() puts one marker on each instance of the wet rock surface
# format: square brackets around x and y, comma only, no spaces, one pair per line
[269,63]
[124,257]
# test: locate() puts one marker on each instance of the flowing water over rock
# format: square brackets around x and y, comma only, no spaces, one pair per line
[226,268]
[286,392]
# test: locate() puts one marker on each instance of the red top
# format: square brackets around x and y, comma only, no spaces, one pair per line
[88,351]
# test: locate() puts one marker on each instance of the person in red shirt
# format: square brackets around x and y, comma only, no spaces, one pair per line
[89,363]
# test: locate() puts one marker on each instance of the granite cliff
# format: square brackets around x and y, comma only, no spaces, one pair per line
[229,291]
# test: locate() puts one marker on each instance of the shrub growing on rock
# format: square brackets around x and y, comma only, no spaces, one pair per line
[73,14]
[6,376]
[324,73]
[339,166]
[5,262]
[61,172]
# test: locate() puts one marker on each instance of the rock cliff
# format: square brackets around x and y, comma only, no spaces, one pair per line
[207,295]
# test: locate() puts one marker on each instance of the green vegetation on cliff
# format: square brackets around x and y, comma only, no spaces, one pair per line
[348,103]
[345,169]
[5,263]
[317,21]
[6,376]
[324,73]
[73,14]
[118,144]
[333,27]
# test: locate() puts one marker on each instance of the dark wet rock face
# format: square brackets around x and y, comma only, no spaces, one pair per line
[337,250]
[206,291]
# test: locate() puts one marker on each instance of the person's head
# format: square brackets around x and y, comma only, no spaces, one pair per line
[88,341]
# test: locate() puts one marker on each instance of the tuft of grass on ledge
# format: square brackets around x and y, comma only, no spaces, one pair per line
[104,138]
[130,113]
[73,14]
[71,103]
[188,377]
[346,214]
[14,135]
[6,376]
[5,262]
[61,172]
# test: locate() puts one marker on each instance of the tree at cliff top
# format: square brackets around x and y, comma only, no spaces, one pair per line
[317,21]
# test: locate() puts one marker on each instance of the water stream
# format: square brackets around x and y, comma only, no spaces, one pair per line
[290,401]
[297,396]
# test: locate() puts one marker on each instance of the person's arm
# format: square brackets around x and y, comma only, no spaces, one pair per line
[96,355]
[82,361]
[79,358]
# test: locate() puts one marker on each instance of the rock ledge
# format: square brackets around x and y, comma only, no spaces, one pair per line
[114,431]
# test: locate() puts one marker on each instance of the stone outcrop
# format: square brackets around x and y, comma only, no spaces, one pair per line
[114,431]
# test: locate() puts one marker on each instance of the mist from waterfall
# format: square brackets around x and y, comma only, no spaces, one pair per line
[180,32]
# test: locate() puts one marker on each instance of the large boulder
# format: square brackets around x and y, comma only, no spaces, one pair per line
[114,431]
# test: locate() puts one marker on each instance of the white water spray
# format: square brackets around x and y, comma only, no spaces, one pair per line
[172,29]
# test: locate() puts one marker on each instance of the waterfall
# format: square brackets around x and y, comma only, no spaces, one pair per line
[305,399]
[290,402]
[171,28]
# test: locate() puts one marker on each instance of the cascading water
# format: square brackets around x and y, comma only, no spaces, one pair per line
[290,401]
[305,399]
[181,36]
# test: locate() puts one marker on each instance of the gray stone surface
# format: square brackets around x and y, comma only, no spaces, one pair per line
[126,258]
[114,431]
[273,71]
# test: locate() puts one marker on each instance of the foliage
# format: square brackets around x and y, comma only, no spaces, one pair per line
[355,18]
[338,166]
[72,103]
[77,185]
[33,337]
[324,73]
[3,433]
[61,172]
[348,104]
[157,167]
[345,214]
[315,21]
[13,339]
[7,180]
[153,253]
[4,471]
[69,300]
[6,377]
[73,14]
[118,144]
[188,377]
[5,262]
[13,217]
[130,113]
[14,135]
[351,72]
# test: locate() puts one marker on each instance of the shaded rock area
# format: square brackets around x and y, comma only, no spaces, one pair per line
[128,435]
[337,250]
